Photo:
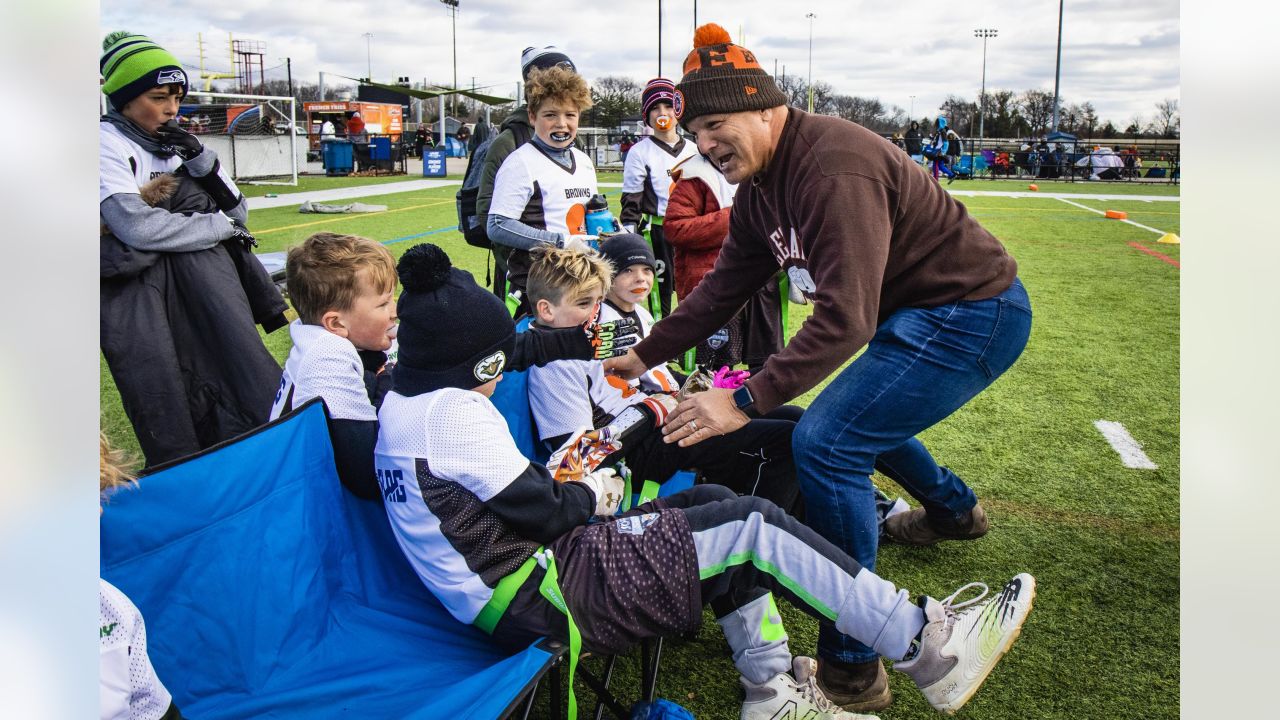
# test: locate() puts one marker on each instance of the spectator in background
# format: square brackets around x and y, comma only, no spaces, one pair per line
[355,129]
[955,151]
[913,141]
[421,139]
[478,137]
[940,151]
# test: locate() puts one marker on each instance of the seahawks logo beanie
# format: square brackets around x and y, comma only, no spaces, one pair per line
[133,64]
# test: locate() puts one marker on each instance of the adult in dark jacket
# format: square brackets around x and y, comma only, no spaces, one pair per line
[891,262]
[913,139]
[180,292]
[515,131]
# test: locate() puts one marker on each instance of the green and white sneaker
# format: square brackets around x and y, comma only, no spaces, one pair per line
[785,696]
[958,649]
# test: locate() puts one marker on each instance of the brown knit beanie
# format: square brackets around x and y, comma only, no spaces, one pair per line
[720,77]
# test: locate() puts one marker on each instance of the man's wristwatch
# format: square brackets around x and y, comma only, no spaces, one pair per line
[745,402]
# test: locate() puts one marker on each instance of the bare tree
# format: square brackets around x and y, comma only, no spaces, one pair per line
[795,90]
[961,114]
[1168,120]
[614,98]
[1037,110]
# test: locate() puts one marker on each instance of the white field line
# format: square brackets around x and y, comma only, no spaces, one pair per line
[1100,212]
[1126,447]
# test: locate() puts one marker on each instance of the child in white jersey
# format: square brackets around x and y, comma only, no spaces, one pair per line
[128,685]
[343,344]
[646,181]
[507,548]
[541,190]
[634,269]
[566,286]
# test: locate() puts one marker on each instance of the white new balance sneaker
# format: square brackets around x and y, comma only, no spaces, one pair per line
[959,649]
[784,697]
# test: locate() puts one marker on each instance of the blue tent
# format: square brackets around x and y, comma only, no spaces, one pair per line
[270,592]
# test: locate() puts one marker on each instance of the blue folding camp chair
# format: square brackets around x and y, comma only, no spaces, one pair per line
[271,592]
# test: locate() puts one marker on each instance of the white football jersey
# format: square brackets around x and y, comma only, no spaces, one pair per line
[439,457]
[542,193]
[656,379]
[123,166]
[128,688]
[323,365]
[648,170]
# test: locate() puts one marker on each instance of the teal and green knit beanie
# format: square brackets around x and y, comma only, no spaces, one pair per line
[133,64]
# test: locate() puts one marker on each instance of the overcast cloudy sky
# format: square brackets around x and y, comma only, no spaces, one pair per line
[1122,56]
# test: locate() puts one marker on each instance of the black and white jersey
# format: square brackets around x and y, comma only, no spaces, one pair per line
[646,176]
[656,379]
[542,193]
[569,395]
[326,366]
[466,507]
[123,166]
[128,686]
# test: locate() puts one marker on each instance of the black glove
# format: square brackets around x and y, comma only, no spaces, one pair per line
[182,143]
[612,338]
[240,233]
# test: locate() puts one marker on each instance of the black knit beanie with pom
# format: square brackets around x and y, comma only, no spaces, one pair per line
[453,333]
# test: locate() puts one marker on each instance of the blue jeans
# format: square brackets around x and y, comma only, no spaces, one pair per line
[922,365]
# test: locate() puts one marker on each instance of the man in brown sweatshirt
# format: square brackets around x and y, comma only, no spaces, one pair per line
[890,262]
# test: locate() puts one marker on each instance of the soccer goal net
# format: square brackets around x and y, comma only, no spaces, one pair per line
[256,136]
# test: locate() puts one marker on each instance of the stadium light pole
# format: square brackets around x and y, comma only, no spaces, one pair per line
[1057,71]
[453,15]
[811,17]
[985,34]
[368,54]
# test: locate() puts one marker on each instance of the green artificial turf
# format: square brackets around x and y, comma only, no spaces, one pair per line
[1102,540]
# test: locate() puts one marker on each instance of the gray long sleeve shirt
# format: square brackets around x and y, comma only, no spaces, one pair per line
[123,168]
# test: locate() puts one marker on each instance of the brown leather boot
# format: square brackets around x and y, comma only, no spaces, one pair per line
[856,687]
[915,528]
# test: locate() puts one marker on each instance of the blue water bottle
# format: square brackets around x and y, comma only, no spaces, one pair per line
[599,219]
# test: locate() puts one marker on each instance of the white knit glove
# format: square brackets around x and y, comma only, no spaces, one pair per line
[607,487]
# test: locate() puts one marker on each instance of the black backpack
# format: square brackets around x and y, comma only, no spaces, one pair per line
[470,225]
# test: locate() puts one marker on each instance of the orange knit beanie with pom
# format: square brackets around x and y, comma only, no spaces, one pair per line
[721,77]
